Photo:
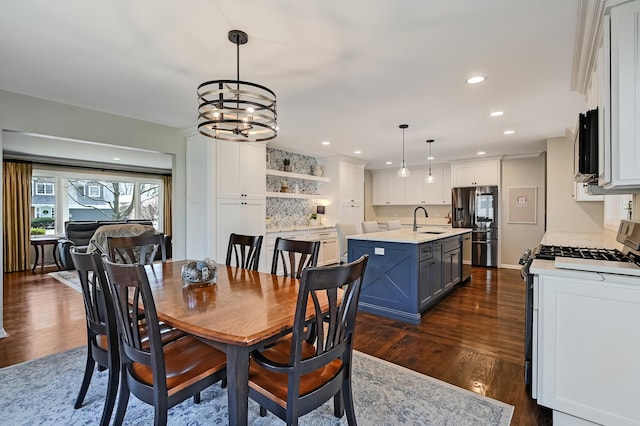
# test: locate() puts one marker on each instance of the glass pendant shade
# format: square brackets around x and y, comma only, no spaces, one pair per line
[235,110]
[430,157]
[403,171]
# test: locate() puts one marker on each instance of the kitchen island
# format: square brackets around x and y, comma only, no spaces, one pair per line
[407,271]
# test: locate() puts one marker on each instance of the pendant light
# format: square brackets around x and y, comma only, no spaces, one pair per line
[235,110]
[403,172]
[430,157]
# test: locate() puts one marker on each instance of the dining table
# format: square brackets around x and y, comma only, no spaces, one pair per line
[242,311]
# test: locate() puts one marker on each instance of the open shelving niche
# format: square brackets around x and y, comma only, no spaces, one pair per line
[291,175]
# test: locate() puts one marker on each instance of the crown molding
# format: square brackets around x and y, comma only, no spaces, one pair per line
[588,40]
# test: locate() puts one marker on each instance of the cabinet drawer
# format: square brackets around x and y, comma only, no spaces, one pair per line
[322,234]
[451,244]
[426,252]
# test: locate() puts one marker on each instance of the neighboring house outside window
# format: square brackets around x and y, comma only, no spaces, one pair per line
[44,188]
[92,190]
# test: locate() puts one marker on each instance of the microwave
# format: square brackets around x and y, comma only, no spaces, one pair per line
[586,147]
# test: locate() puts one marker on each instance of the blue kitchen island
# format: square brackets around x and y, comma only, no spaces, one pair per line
[408,271]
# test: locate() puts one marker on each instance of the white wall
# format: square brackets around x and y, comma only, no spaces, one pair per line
[563,213]
[516,237]
[33,115]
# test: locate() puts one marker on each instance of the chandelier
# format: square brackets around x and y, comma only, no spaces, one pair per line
[403,172]
[235,110]
[430,157]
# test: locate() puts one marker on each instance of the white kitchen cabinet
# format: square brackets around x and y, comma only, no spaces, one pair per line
[475,173]
[388,188]
[586,347]
[239,216]
[619,70]
[328,253]
[241,170]
[345,190]
[420,191]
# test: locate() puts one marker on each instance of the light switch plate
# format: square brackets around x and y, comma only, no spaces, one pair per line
[378,251]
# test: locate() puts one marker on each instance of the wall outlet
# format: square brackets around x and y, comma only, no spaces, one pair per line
[379,251]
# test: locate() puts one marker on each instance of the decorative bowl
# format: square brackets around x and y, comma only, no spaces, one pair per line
[200,272]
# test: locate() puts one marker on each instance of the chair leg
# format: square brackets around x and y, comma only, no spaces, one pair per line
[160,418]
[263,411]
[338,405]
[88,372]
[223,383]
[112,393]
[347,397]
[123,399]
[196,398]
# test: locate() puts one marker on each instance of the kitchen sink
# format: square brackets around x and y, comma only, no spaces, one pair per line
[431,232]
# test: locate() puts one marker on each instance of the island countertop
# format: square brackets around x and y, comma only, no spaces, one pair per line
[422,235]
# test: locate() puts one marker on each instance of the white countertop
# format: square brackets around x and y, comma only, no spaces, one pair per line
[410,237]
[300,228]
[605,239]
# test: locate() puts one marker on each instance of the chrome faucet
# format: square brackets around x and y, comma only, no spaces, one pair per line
[415,224]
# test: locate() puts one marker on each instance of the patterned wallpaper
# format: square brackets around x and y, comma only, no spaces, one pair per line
[290,212]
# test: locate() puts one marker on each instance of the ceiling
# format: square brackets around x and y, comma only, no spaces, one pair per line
[344,72]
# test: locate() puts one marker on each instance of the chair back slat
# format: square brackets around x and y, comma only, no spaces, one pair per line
[140,249]
[245,250]
[294,256]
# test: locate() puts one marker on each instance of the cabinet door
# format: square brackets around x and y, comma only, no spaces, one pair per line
[380,188]
[351,183]
[415,187]
[230,220]
[463,175]
[396,189]
[228,170]
[451,268]
[446,184]
[486,173]
[625,94]
[437,284]
[351,213]
[253,169]
[425,291]
[328,254]
[433,189]
[241,170]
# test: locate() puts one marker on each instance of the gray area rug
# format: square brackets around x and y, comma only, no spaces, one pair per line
[43,392]
[69,278]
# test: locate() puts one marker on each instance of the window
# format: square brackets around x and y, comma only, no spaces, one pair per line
[616,208]
[92,190]
[44,188]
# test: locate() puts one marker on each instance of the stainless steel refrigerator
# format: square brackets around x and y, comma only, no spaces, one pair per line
[477,208]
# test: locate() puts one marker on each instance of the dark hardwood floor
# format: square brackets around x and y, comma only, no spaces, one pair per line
[473,339]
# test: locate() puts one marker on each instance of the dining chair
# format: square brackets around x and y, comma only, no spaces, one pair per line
[296,255]
[371,226]
[294,377]
[394,225]
[343,230]
[139,249]
[245,249]
[158,374]
[102,337]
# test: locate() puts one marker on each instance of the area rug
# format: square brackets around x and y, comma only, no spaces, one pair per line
[43,392]
[69,278]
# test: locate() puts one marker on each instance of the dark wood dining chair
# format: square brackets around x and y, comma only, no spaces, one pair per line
[102,338]
[140,249]
[294,377]
[245,250]
[158,374]
[295,256]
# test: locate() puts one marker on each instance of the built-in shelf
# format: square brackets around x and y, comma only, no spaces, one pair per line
[297,176]
[294,195]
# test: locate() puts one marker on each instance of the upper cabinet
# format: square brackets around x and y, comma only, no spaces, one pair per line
[389,189]
[351,183]
[345,190]
[475,173]
[241,169]
[619,97]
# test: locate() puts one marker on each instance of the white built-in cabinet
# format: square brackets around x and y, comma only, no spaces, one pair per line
[619,93]
[241,189]
[327,254]
[345,190]
[389,189]
[581,193]
[475,173]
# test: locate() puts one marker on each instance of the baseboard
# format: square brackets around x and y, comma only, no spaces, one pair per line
[507,266]
[3,333]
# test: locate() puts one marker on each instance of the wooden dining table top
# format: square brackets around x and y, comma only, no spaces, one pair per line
[242,308]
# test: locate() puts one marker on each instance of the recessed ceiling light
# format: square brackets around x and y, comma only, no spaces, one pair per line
[116,158]
[509,132]
[496,113]
[476,79]
[389,162]
[481,153]
[326,143]
[357,152]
